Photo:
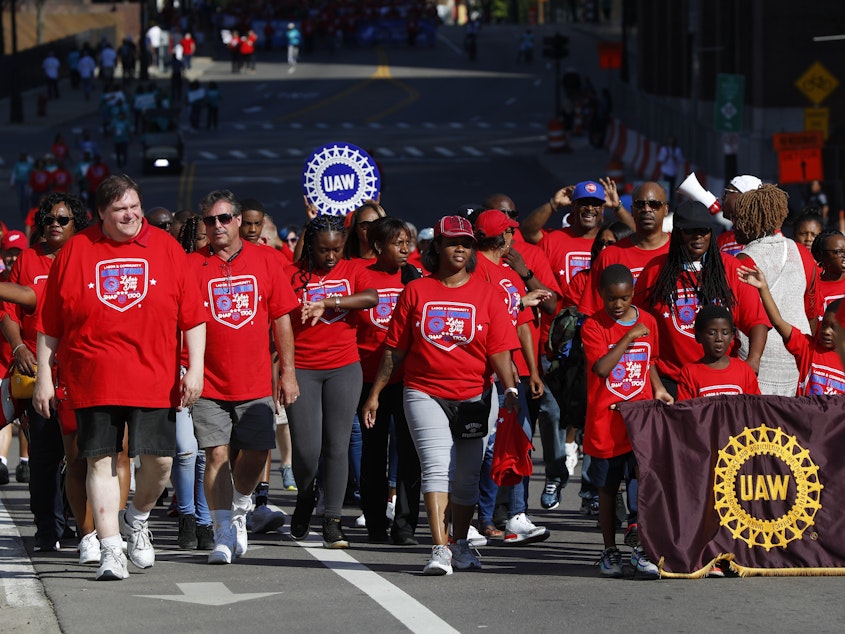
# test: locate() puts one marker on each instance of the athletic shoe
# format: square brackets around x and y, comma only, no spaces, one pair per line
[288,483]
[89,549]
[333,536]
[112,565]
[463,557]
[589,506]
[205,537]
[475,538]
[641,563]
[22,472]
[47,547]
[521,530]
[716,571]
[361,521]
[550,499]
[440,562]
[187,536]
[391,509]
[300,521]
[139,541]
[266,520]
[632,536]
[4,474]
[239,531]
[611,562]
[224,547]
[571,449]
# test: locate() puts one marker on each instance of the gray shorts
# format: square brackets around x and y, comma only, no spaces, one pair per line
[246,425]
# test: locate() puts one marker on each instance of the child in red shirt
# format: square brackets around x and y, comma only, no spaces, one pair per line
[620,346]
[820,369]
[716,373]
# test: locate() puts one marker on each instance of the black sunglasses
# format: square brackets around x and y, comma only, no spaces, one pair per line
[651,204]
[164,225]
[62,220]
[224,219]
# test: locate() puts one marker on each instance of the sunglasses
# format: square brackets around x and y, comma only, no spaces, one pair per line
[651,204]
[164,225]
[224,219]
[292,240]
[62,220]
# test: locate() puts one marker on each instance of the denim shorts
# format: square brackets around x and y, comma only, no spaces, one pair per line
[152,431]
[609,472]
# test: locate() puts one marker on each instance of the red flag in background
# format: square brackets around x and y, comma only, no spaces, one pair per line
[511,451]
[756,480]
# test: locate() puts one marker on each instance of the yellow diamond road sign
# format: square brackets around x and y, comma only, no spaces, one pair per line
[817,83]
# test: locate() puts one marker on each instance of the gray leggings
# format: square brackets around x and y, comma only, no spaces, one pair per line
[448,465]
[321,421]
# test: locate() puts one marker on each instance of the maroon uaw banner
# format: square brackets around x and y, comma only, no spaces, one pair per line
[758,481]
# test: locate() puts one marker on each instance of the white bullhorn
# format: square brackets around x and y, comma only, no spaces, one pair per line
[693,189]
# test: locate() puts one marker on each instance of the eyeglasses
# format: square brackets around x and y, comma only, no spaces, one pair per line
[837,252]
[224,219]
[62,220]
[292,240]
[651,204]
[164,225]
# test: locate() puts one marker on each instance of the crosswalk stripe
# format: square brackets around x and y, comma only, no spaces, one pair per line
[268,153]
[296,125]
[383,151]
[444,151]
[500,151]
[293,151]
[208,155]
[402,125]
[237,154]
[413,151]
[472,151]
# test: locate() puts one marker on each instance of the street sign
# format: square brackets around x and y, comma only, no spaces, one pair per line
[800,166]
[817,119]
[610,55]
[797,140]
[730,94]
[817,83]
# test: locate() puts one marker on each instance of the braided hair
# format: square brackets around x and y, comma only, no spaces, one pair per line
[760,212]
[320,224]
[711,285]
[188,233]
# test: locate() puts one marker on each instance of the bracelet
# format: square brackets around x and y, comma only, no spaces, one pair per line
[511,390]
[528,276]
[17,347]
[521,305]
[337,302]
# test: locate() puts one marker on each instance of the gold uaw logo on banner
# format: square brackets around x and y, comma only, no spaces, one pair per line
[767,488]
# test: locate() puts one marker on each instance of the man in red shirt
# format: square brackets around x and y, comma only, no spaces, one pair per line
[245,295]
[115,299]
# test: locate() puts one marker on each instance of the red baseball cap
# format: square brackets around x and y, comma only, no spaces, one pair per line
[14,240]
[494,222]
[453,227]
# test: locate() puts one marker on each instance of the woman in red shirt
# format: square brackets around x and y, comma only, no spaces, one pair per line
[454,331]
[328,370]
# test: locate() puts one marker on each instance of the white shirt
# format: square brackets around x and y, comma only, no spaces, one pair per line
[86,67]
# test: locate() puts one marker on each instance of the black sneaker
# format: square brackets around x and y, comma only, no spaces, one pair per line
[333,536]
[187,538]
[22,472]
[4,474]
[300,521]
[205,537]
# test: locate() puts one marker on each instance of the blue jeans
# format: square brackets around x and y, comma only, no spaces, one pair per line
[189,471]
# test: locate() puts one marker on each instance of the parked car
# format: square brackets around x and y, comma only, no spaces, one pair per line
[162,146]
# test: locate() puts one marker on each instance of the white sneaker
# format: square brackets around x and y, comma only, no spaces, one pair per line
[463,557]
[361,521]
[266,520]
[239,531]
[89,549]
[391,509]
[139,542]
[112,565]
[475,538]
[521,530]
[571,449]
[440,562]
[224,546]
[641,563]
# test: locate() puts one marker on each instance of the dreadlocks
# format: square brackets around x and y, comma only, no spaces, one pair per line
[320,224]
[188,233]
[760,212]
[711,283]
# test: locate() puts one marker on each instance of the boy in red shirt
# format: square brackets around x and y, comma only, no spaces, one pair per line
[820,369]
[620,346]
[716,373]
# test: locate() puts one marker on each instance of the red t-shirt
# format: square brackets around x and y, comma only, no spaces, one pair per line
[574,291]
[697,379]
[331,342]
[449,335]
[827,293]
[39,181]
[623,252]
[536,260]
[61,180]
[676,324]
[568,252]
[819,369]
[30,269]
[605,435]
[116,308]
[242,298]
[727,243]
[374,322]
[96,174]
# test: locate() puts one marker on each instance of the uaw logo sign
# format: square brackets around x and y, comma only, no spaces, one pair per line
[767,488]
[686,308]
[629,377]
[339,177]
[319,292]
[122,283]
[513,297]
[382,313]
[234,300]
[448,325]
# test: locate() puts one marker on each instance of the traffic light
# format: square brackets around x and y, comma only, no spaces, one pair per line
[556,46]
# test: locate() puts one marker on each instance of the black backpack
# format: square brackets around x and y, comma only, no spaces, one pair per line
[567,374]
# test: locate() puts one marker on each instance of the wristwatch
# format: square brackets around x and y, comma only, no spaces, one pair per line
[528,276]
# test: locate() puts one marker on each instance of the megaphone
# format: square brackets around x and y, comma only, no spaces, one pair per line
[693,189]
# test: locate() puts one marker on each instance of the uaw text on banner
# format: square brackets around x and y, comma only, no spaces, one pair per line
[758,481]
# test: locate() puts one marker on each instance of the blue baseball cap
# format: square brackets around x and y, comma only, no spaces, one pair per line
[588,189]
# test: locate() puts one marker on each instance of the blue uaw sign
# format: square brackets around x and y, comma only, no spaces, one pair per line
[338,177]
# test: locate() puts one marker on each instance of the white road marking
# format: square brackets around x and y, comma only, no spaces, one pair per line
[268,153]
[19,584]
[383,151]
[207,593]
[472,151]
[500,151]
[444,151]
[413,151]
[208,155]
[237,154]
